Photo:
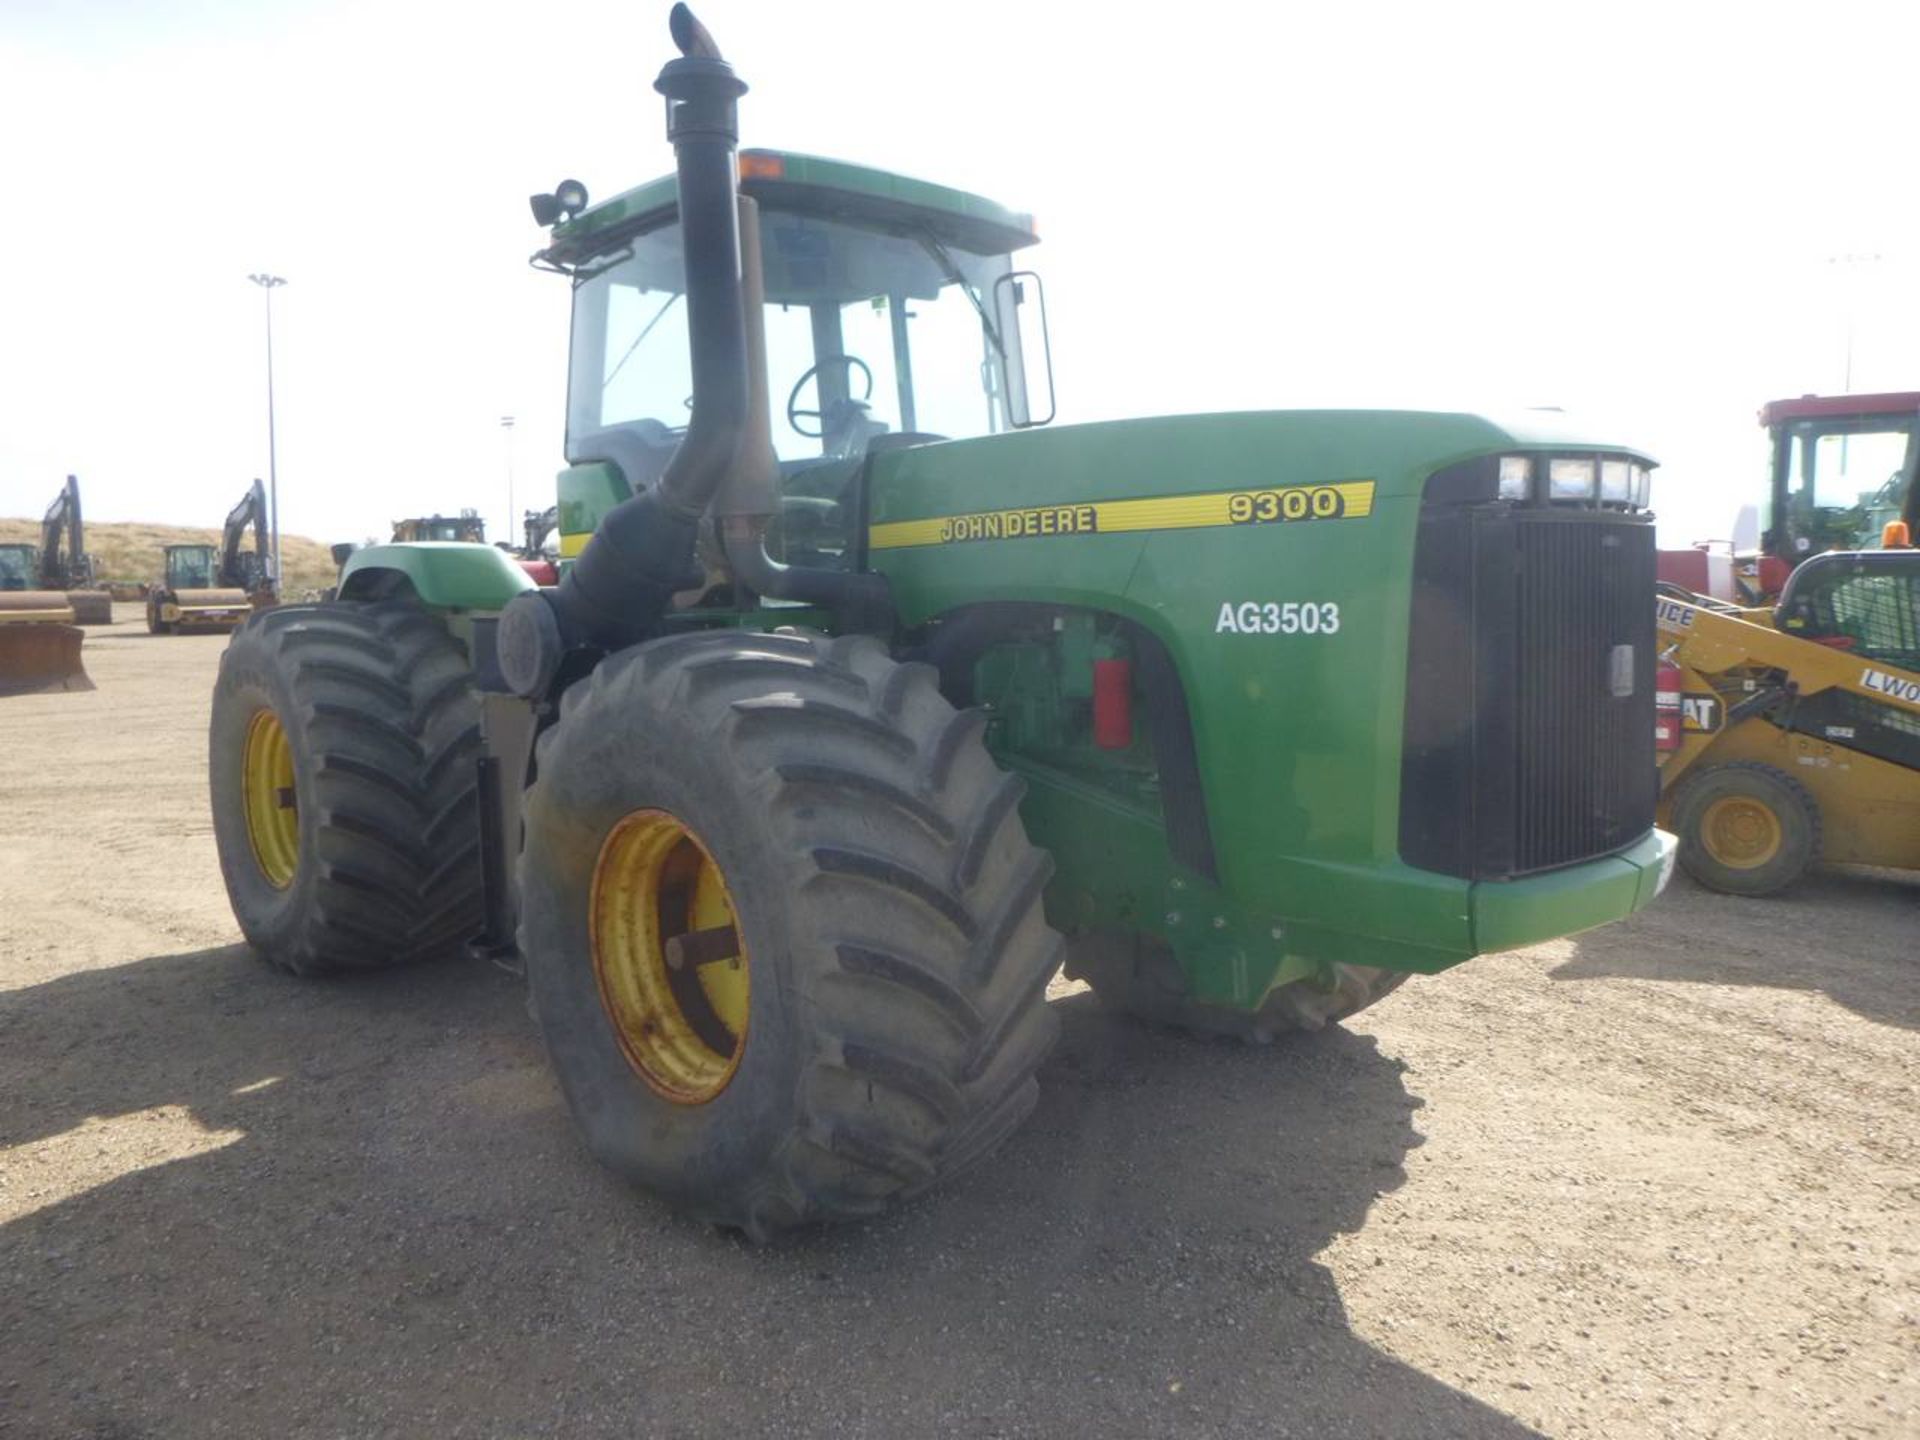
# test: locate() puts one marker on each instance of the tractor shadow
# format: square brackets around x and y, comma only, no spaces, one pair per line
[1847,934]
[244,1204]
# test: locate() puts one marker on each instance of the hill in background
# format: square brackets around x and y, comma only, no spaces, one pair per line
[128,553]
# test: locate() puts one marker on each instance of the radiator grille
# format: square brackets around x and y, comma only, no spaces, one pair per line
[1529,722]
[1585,782]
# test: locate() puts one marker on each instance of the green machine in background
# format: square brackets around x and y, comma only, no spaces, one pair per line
[867,699]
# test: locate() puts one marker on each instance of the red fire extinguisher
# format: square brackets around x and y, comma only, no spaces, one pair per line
[1668,713]
[1113,703]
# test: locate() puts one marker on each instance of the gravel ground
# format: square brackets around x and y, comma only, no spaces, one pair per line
[1657,1180]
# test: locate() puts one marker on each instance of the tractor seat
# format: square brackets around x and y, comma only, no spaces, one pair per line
[1866,602]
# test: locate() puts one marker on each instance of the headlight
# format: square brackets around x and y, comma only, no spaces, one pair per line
[1570,480]
[1616,482]
[1516,477]
[1642,486]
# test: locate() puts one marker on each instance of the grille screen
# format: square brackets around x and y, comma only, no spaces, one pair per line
[1585,779]
[1529,723]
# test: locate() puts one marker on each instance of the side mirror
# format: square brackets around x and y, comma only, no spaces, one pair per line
[1020,307]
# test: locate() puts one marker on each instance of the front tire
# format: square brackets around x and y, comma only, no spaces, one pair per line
[342,768]
[1746,828]
[842,863]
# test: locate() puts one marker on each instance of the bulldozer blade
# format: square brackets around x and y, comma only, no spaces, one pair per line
[35,659]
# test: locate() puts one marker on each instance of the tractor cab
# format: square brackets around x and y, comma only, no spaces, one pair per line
[1863,602]
[19,567]
[190,567]
[893,315]
[465,528]
[1843,468]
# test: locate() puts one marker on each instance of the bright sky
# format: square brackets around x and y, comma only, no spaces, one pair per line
[1631,210]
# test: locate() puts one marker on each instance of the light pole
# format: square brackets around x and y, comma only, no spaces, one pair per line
[513,516]
[1849,285]
[268,284]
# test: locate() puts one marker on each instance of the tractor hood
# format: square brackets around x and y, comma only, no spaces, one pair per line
[1379,455]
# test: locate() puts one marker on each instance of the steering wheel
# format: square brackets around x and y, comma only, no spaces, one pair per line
[795,415]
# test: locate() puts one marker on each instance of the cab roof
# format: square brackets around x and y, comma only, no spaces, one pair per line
[808,184]
[1827,407]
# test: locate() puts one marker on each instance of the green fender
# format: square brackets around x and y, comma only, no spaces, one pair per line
[444,574]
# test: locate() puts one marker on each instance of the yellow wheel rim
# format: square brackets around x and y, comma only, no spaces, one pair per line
[1741,833]
[266,788]
[669,958]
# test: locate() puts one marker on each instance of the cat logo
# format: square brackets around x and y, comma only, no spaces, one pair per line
[1700,714]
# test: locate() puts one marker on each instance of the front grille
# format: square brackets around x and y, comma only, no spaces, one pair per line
[1529,722]
[1585,779]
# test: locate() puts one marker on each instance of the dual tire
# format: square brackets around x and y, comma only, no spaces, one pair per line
[342,755]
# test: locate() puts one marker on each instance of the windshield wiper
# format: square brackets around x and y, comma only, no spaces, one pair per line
[636,342]
[952,271]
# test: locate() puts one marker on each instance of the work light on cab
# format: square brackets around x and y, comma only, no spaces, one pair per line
[1570,480]
[568,199]
[1616,482]
[1516,477]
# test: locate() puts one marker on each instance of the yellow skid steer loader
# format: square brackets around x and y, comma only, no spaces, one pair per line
[1791,736]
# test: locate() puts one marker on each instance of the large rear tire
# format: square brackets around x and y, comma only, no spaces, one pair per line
[342,768]
[813,832]
[1138,976]
[1746,828]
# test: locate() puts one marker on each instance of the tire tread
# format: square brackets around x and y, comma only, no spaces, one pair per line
[923,955]
[385,698]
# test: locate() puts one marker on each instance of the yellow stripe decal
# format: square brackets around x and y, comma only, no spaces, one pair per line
[572,545]
[1287,504]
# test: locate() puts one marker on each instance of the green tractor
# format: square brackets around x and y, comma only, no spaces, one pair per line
[850,722]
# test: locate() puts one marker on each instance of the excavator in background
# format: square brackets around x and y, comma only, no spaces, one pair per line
[205,589]
[60,561]
[1842,470]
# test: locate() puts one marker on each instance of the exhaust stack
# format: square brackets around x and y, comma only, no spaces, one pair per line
[642,550]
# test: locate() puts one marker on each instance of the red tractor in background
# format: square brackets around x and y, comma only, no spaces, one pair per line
[1842,479]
